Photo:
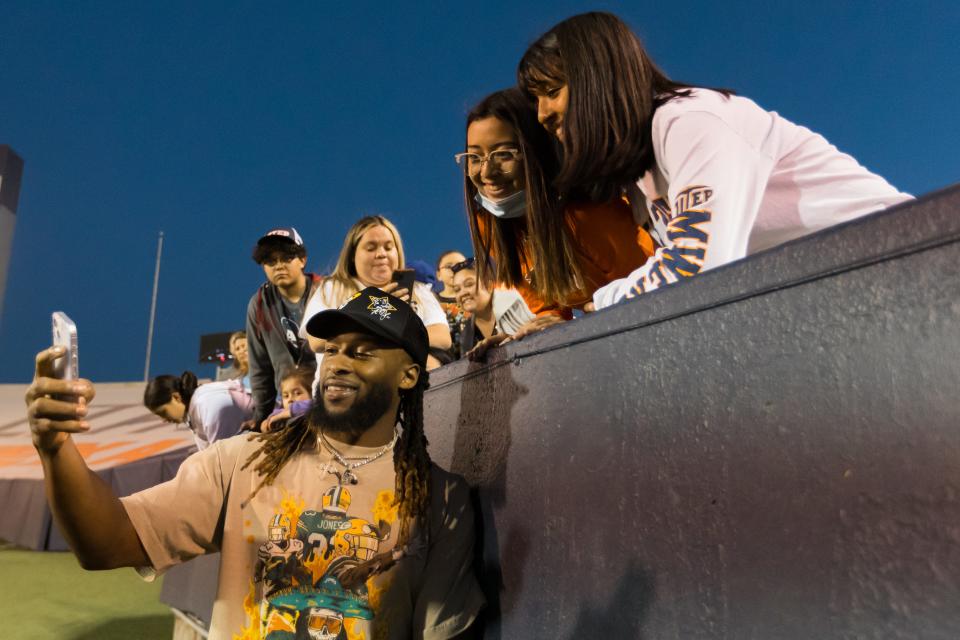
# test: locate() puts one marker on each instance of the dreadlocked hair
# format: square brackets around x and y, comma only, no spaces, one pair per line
[411,462]
[277,447]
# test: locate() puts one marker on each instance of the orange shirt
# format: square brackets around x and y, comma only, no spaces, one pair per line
[609,245]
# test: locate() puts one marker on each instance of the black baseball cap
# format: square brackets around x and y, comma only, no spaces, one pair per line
[281,233]
[379,313]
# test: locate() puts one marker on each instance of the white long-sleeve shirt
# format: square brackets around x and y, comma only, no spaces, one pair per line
[217,410]
[732,179]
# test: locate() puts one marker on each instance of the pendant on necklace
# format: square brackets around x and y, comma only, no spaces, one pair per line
[348,477]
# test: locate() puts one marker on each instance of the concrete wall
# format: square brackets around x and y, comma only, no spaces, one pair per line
[770,450]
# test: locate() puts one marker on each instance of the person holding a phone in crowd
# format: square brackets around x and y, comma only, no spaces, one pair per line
[372,256]
[380,541]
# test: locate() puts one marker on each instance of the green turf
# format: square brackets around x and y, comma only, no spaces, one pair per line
[47,595]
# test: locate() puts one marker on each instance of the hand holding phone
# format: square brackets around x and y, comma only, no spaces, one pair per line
[57,399]
[404,280]
[67,366]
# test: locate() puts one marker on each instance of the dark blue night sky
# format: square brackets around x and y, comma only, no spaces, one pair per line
[215,121]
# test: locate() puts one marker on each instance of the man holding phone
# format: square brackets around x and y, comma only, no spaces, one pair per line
[337,523]
[275,314]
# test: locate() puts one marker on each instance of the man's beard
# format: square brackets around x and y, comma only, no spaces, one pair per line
[354,421]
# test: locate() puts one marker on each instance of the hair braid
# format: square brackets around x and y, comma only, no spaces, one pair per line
[411,461]
[277,448]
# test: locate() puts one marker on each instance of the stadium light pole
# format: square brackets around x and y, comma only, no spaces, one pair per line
[153,308]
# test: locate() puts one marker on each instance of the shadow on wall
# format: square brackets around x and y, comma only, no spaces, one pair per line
[624,613]
[481,452]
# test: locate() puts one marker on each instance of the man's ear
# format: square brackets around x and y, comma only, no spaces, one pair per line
[410,376]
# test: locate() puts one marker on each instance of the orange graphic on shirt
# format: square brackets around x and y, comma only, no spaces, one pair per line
[253,615]
[354,629]
[385,508]
[291,507]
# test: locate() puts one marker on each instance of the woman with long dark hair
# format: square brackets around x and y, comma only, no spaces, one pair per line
[510,164]
[213,411]
[718,177]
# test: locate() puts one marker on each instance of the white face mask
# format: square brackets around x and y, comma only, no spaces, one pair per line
[513,206]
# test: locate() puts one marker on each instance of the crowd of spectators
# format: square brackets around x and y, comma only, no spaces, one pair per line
[593,181]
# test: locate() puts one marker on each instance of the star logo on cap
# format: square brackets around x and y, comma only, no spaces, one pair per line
[380,307]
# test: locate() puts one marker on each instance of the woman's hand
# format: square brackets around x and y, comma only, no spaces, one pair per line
[56,408]
[391,288]
[538,324]
[479,352]
[589,307]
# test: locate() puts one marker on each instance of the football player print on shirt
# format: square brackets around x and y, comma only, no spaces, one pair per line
[685,247]
[312,576]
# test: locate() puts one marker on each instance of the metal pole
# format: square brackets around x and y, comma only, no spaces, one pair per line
[153,308]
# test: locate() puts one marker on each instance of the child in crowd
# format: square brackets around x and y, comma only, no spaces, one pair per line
[489,311]
[213,411]
[714,176]
[509,165]
[371,252]
[295,386]
[295,397]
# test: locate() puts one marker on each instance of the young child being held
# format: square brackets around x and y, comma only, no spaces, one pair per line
[295,397]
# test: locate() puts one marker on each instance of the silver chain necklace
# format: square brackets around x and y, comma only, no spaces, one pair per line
[347,476]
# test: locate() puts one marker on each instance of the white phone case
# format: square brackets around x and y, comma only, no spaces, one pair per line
[67,366]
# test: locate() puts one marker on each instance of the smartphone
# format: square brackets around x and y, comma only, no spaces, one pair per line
[404,279]
[66,367]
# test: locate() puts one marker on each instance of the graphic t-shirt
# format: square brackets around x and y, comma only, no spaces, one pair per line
[295,559]
[292,318]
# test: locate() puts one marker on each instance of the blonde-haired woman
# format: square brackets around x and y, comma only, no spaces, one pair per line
[371,252]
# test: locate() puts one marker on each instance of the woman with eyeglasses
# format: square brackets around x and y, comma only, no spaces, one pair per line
[509,166]
[371,252]
[717,177]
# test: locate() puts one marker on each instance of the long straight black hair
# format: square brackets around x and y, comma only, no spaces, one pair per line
[614,90]
[509,249]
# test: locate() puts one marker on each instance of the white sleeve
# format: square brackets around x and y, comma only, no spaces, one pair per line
[717,181]
[314,306]
[428,307]
[219,416]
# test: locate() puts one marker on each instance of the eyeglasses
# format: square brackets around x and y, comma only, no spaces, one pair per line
[469,263]
[274,260]
[503,159]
